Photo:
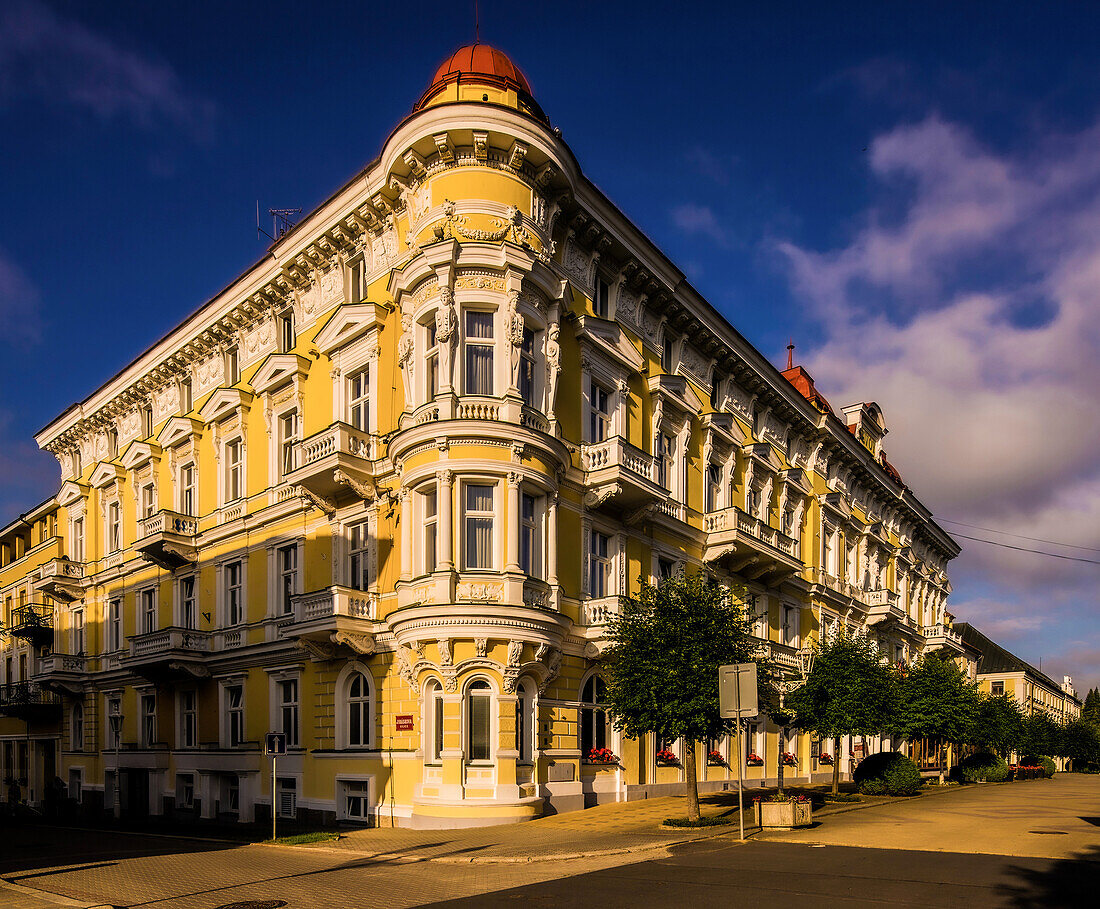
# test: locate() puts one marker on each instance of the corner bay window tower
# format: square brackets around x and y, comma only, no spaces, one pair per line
[384,492]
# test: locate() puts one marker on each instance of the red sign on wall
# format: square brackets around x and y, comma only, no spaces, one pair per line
[405,723]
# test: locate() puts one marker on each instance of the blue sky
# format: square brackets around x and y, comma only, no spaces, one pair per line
[911,191]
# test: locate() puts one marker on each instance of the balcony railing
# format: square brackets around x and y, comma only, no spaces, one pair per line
[616,469]
[333,601]
[942,636]
[33,622]
[168,539]
[882,605]
[166,521]
[745,523]
[752,546]
[27,700]
[169,640]
[62,672]
[61,579]
[334,462]
[601,611]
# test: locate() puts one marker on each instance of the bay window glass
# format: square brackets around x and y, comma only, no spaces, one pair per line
[599,564]
[479,353]
[359,399]
[599,413]
[358,561]
[429,517]
[479,700]
[431,362]
[479,525]
[527,367]
[530,536]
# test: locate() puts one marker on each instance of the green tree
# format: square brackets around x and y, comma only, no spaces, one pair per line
[1039,736]
[938,701]
[1091,710]
[999,724]
[661,668]
[1081,743]
[849,691]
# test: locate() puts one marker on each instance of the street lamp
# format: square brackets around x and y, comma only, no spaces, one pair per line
[785,687]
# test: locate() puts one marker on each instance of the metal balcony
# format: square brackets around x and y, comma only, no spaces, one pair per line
[61,579]
[322,619]
[169,653]
[335,463]
[615,469]
[63,673]
[749,546]
[33,622]
[168,539]
[942,636]
[29,701]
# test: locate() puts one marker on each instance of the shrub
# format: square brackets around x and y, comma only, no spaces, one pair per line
[1046,763]
[887,773]
[983,767]
[719,821]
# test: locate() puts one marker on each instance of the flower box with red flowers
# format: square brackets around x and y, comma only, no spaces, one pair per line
[754,760]
[789,759]
[666,758]
[825,758]
[785,811]
[715,759]
[601,756]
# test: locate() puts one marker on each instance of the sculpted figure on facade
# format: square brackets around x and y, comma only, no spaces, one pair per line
[515,332]
[446,331]
[405,357]
[553,368]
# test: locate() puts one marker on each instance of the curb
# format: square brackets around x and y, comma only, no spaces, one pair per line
[47,897]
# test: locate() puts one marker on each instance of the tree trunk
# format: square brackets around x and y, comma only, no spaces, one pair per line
[836,765]
[691,780]
[779,758]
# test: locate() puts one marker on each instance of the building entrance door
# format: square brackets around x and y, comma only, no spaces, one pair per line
[137,793]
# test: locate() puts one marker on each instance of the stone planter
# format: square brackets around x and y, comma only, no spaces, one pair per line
[784,815]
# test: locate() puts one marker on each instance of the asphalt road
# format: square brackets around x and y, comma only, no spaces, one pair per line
[790,875]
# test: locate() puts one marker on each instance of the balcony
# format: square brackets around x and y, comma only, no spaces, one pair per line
[335,462]
[838,587]
[169,653]
[168,539]
[882,607]
[63,673]
[34,623]
[601,611]
[322,619]
[751,547]
[942,636]
[29,701]
[61,579]
[783,655]
[616,469]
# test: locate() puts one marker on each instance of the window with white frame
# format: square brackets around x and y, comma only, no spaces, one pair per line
[479,721]
[234,715]
[479,353]
[786,519]
[359,556]
[790,625]
[599,412]
[434,724]
[187,499]
[599,564]
[286,561]
[148,720]
[114,624]
[234,470]
[230,793]
[527,367]
[284,324]
[754,741]
[148,500]
[114,526]
[76,632]
[76,543]
[359,399]
[525,722]
[288,442]
[288,710]
[601,298]
[185,790]
[189,719]
[715,387]
[188,603]
[758,613]
[530,534]
[480,512]
[358,706]
[827,549]
[665,568]
[356,798]
[429,522]
[233,581]
[431,362]
[147,600]
[714,486]
[666,455]
[76,728]
[593,716]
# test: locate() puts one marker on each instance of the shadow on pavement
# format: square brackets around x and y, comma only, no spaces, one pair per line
[1069,883]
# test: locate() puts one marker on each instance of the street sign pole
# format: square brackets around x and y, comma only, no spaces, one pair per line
[273,805]
[740,749]
[274,745]
[737,705]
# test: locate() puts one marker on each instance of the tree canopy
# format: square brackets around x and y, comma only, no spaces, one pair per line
[999,724]
[938,700]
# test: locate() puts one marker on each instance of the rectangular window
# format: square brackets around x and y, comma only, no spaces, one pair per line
[601,298]
[148,500]
[288,442]
[714,486]
[527,367]
[77,642]
[234,715]
[599,413]
[112,443]
[790,625]
[429,517]
[665,568]
[359,399]
[148,720]
[234,595]
[189,610]
[288,711]
[234,470]
[114,526]
[114,624]
[148,600]
[437,724]
[431,345]
[996,688]
[664,460]
[479,525]
[76,545]
[189,719]
[356,800]
[188,500]
[287,560]
[358,563]
[599,564]
[479,353]
[232,367]
[185,790]
[285,326]
[530,535]
[479,703]
[231,793]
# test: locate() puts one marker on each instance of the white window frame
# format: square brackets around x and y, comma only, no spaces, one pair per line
[599,422]
[114,624]
[432,360]
[286,332]
[228,711]
[188,719]
[233,471]
[76,727]
[484,343]
[345,706]
[187,590]
[147,719]
[435,711]
[532,532]
[491,515]
[529,372]
[148,500]
[78,640]
[185,786]
[482,684]
[344,793]
[428,515]
[289,433]
[607,560]
[526,708]
[358,402]
[360,571]
[148,609]
[226,589]
[76,539]
[187,487]
[601,297]
[113,520]
[282,709]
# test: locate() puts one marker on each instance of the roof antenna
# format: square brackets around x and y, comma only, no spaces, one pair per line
[790,354]
[477,24]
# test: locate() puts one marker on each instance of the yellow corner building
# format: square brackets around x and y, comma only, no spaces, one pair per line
[383,493]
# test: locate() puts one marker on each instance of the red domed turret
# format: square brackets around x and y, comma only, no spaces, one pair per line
[475,67]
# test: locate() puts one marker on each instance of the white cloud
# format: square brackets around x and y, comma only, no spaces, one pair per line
[699,219]
[49,58]
[19,319]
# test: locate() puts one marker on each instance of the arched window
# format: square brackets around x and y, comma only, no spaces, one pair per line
[433,725]
[525,722]
[479,724]
[593,717]
[76,729]
[358,711]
